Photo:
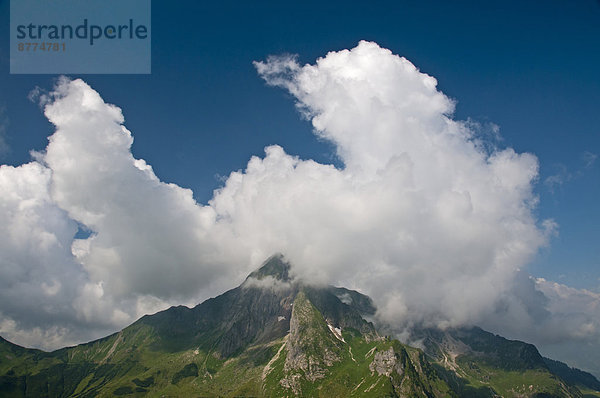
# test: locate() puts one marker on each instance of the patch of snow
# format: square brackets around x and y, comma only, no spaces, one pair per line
[280,318]
[337,332]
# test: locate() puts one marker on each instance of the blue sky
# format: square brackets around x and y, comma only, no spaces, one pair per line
[527,70]
[529,67]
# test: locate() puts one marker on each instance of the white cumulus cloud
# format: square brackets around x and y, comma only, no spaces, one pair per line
[424,216]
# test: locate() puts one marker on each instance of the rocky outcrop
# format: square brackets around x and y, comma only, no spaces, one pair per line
[311,347]
[385,363]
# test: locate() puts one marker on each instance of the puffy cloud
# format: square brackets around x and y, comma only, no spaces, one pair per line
[344,91]
[424,216]
[39,275]
[546,313]
[577,309]
[149,245]
[420,209]
[145,232]
[572,333]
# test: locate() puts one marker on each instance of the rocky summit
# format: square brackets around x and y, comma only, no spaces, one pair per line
[273,336]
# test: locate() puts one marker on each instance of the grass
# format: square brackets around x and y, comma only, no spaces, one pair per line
[587,393]
[140,362]
[482,380]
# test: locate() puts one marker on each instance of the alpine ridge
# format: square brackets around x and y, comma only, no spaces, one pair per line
[274,336]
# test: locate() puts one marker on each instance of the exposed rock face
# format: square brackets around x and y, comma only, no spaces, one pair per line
[471,352]
[311,347]
[386,362]
[507,354]
[343,308]
[255,317]
[280,337]
[276,267]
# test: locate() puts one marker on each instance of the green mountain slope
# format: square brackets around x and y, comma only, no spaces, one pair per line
[267,337]
[477,363]
[586,382]
[319,360]
[273,337]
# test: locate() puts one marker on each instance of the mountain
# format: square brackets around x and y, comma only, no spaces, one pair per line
[476,363]
[275,337]
[584,380]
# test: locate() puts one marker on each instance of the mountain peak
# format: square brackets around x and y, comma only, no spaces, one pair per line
[286,339]
[275,266]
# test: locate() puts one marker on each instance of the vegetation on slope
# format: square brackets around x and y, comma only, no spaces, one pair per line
[273,337]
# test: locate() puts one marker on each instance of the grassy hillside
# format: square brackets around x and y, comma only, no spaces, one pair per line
[586,382]
[476,363]
[330,364]
[137,362]
[274,338]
